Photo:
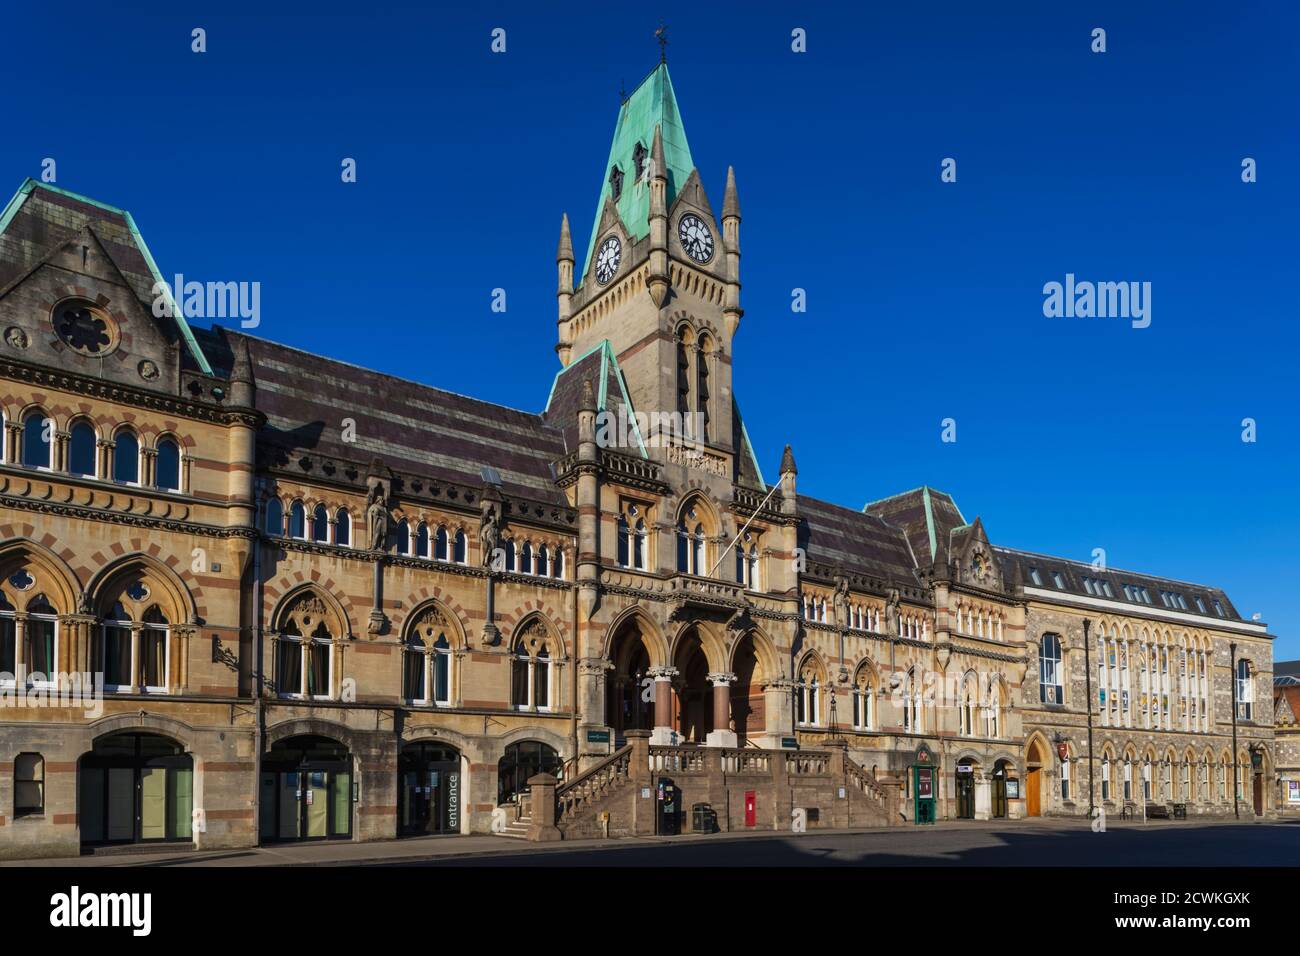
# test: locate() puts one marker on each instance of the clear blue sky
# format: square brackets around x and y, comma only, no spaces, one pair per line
[924,298]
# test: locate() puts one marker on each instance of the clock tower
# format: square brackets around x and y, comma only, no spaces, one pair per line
[658,287]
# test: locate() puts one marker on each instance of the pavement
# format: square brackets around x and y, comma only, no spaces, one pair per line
[1037,842]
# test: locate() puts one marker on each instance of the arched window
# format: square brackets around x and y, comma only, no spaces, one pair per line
[40,644]
[1146,779]
[38,440]
[808,694]
[441,664]
[440,544]
[966,714]
[912,703]
[297,520]
[1187,780]
[1050,690]
[320,524]
[526,558]
[1245,691]
[422,540]
[167,466]
[639,546]
[530,683]
[862,701]
[459,555]
[1065,779]
[1105,776]
[29,784]
[111,655]
[993,711]
[403,537]
[543,561]
[558,564]
[304,660]
[624,543]
[521,762]
[511,557]
[703,359]
[685,342]
[342,527]
[81,450]
[153,651]
[126,457]
[274,520]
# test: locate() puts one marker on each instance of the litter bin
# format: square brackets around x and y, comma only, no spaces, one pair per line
[704,819]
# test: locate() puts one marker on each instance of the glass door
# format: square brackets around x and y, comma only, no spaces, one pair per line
[966,796]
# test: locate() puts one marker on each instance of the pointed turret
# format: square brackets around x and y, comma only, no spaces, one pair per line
[242,387]
[788,473]
[656,175]
[564,292]
[731,243]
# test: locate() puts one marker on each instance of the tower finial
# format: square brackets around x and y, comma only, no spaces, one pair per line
[662,35]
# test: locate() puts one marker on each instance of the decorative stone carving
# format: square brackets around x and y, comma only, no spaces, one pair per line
[16,337]
[377,515]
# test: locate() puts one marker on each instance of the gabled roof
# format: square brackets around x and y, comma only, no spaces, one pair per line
[413,428]
[651,104]
[40,218]
[926,515]
[599,366]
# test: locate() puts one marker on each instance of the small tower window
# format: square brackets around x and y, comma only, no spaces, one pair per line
[616,183]
[638,160]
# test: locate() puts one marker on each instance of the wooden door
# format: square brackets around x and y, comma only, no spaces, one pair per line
[1259,794]
[1032,793]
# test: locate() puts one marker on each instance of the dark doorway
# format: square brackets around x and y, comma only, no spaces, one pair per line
[748,699]
[965,791]
[693,700]
[136,788]
[627,702]
[1000,771]
[428,789]
[306,791]
[1259,794]
[522,761]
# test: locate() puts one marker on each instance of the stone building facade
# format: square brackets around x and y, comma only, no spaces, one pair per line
[320,602]
[1286,727]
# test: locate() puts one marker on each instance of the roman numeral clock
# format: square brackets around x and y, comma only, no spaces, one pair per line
[695,237]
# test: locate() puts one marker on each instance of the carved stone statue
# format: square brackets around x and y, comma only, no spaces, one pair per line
[377,513]
[891,611]
[841,602]
[489,532]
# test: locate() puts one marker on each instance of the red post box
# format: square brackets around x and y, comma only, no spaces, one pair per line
[751,809]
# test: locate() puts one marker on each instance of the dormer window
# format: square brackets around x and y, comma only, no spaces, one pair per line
[616,183]
[1035,576]
[638,160]
[1059,580]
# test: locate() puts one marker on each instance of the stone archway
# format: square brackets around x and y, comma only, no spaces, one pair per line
[633,651]
[748,693]
[1035,764]
[692,693]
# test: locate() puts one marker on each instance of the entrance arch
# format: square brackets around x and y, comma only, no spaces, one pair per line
[135,787]
[521,761]
[692,695]
[306,790]
[429,790]
[1002,769]
[967,768]
[753,669]
[633,649]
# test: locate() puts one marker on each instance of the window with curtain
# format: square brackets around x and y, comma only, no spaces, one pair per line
[111,654]
[8,641]
[42,629]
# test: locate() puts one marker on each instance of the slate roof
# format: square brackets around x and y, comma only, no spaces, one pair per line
[926,515]
[414,428]
[1073,572]
[599,366]
[855,541]
[41,218]
[1285,669]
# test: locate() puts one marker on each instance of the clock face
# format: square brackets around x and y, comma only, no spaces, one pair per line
[695,238]
[607,259]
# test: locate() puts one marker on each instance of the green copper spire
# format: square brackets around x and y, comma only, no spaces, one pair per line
[651,104]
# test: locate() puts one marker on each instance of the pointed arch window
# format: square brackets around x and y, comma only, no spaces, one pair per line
[510,555]
[422,541]
[440,548]
[459,554]
[41,643]
[1105,776]
[531,671]
[624,543]
[8,642]
[912,704]
[343,528]
[862,701]
[274,520]
[1128,778]
[543,561]
[297,520]
[167,466]
[615,183]
[403,537]
[81,450]
[320,524]
[415,666]
[526,558]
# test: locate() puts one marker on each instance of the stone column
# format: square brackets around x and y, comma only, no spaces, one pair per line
[663,733]
[722,735]
[983,797]
[542,799]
